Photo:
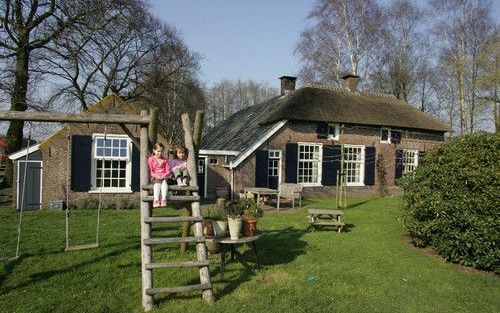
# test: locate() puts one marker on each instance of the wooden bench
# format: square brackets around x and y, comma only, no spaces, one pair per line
[322,217]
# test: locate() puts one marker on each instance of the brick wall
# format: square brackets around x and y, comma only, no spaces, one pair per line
[295,131]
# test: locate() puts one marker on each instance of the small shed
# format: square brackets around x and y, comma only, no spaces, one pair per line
[29,177]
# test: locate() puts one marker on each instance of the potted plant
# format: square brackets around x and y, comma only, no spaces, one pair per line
[209,214]
[223,191]
[234,211]
[219,221]
[251,214]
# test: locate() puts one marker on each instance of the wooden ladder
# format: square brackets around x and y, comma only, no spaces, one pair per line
[202,263]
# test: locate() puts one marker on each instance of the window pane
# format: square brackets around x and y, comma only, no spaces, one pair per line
[107,142]
[122,173]
[123,153]
[107,152]
[385,135]
[99,152]
[122,183]
[116,143]
[115,152]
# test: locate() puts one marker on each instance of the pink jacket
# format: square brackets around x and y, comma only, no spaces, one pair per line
[159,168]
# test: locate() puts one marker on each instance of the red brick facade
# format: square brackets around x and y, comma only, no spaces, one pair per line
[294,132]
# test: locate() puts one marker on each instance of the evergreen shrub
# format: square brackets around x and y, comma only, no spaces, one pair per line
[451,202]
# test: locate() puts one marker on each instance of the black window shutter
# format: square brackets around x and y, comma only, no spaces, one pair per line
[370,165]
[261,168]
[292,157]
[322,130]
[136,169]
[399,164]
[331,163]
[421,155]
[81,162]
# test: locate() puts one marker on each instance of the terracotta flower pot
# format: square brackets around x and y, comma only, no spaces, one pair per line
[249,226]
[208,228]
[222,192]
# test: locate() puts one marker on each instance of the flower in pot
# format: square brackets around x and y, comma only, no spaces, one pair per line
[251,214]
[219,222]
[234,211]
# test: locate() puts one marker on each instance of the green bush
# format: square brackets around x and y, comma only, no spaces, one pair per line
[451,202]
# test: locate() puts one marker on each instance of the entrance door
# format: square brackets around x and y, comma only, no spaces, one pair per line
[32,196]
[201,169]
[274,169]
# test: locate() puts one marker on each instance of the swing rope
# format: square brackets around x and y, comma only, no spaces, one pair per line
[96,244]
[21,209]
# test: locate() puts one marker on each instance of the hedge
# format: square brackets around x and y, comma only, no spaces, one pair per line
[451,202]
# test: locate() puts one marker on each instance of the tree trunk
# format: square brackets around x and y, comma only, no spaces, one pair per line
[17,103]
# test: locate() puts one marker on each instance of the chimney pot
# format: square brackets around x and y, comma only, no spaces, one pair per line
[350,82]
[287,84]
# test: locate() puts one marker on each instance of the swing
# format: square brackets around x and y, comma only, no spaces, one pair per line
[19,225]
[96,243]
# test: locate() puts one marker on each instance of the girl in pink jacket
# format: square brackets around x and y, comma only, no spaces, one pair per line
[159,169]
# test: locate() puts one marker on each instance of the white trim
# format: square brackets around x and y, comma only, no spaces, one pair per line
[17,182]
[245,154]
[218,152]
[21,153]
[279,164]
[361,167]
[320,163]
[205,170]
[128,167]
[388,140]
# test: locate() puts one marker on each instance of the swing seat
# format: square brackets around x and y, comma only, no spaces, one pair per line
[82,247]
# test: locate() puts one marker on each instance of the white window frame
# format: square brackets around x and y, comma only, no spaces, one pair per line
[319,161]
[336,135]
[361,165]
[406,165]
[213,163]
[279,163]
[128,167]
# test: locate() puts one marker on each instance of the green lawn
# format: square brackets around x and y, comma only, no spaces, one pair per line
[368,268]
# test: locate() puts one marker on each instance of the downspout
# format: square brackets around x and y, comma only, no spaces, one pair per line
[232,180]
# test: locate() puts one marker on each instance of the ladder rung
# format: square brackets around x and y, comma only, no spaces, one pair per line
[171,219]
[187,264]
[156,241]
[153,291]
[173,187]
[175,198]
[82,247]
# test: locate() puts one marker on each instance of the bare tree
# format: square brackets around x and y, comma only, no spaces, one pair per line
[342,39]
[227,97]
[26,27]
[463,28]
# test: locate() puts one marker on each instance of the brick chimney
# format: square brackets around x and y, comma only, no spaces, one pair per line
[287,84]
[350,82]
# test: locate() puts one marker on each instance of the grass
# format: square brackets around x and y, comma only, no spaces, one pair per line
[368,268]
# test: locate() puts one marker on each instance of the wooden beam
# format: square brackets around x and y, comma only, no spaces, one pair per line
[147,274]
[198,127]
[153,125]
[131,136]
[75,118]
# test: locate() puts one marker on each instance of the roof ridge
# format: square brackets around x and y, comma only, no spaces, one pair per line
[377,94]
[327,87]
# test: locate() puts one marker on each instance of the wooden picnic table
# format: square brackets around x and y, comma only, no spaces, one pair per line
[326,217]
[261,191]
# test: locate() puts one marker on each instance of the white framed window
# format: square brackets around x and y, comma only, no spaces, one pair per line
[309,167]
[333,131]
[410,160]
[354,164]
[111,163]
[274,166]
[388,135]
[213,161]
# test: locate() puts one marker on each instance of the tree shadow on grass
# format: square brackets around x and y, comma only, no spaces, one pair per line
[41,276]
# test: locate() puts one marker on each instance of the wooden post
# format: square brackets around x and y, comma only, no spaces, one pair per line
[153,125]
[147,275]
[198,126]
[201,252]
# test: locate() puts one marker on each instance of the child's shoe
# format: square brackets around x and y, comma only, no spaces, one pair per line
[163,203]
[179,181]
[185,181]
[156,203]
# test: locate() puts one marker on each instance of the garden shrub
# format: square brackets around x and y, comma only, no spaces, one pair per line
[451,202]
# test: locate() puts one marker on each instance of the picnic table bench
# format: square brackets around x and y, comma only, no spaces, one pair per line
[326,217]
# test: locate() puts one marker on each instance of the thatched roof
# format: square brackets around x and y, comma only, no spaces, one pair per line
[317,104]
[322,103]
